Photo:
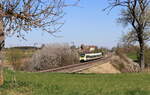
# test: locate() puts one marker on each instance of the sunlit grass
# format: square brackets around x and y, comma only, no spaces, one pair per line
[76,84]
[132,55]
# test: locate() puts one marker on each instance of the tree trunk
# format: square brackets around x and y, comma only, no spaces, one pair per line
[142,44]
[142,62]
[1,58]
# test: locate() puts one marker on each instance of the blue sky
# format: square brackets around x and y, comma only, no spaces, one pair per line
[85,24]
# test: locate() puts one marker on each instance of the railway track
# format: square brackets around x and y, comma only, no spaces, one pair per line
[78,67]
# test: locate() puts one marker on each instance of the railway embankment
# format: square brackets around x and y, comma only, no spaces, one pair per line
[117,63]
[102,68]
[124,64]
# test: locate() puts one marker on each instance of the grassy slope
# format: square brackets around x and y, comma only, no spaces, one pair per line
[76,84]
[132,55]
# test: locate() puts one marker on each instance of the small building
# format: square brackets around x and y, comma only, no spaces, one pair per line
[92,48]
[87,48]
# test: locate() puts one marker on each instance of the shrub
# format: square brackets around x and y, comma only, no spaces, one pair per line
[52,56]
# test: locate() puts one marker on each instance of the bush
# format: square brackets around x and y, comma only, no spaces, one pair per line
[52,56]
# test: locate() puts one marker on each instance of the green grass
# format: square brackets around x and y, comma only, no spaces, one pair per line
[132,55]
[76,84]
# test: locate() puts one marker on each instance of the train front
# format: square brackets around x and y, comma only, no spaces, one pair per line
[82,57]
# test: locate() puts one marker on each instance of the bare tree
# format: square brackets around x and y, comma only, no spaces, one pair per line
[137,14]
[131,38]
[17,16]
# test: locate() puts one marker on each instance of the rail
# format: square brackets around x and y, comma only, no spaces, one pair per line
[83,65]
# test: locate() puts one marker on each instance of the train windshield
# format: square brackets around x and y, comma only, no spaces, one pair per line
[82,55]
